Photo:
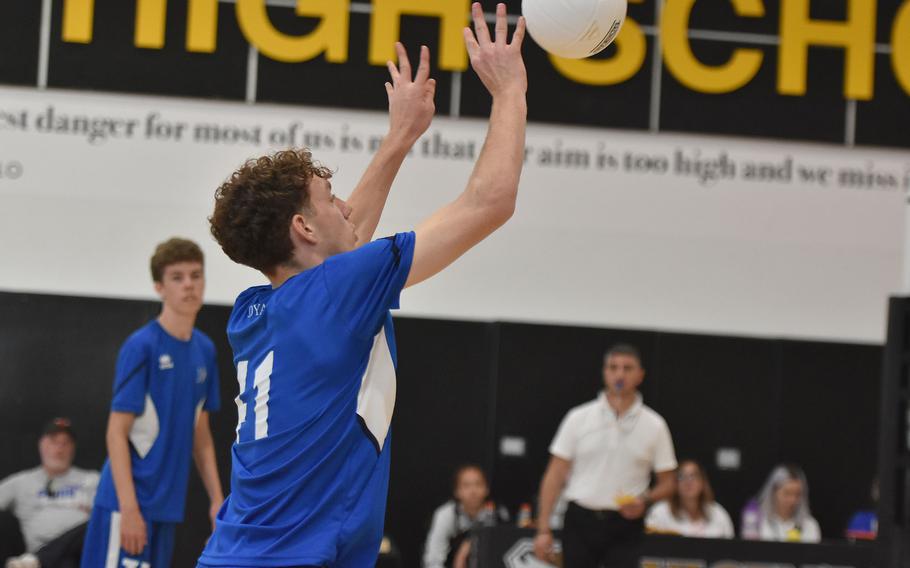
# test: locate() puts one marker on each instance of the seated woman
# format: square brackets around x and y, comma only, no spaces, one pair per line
[692,510]
[781,511]
[446,545]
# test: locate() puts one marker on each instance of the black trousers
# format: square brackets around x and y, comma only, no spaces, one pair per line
[596,539]
[65,551]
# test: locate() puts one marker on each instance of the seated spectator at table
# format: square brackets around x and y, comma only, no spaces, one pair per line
[447,545]
[863,524]
[52,502]
[691,510]
[781,511]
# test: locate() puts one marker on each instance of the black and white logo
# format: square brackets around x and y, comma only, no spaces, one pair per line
[521,555]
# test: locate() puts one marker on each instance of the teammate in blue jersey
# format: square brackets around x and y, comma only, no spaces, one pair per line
[166,384]
[314,349]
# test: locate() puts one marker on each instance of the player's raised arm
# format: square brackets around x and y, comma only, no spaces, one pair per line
[411,110]
[488,201]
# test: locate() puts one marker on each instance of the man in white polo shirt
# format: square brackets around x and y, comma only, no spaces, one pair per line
[602,457]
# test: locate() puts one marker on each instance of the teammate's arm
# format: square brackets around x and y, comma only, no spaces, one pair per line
[488,201]
[132,526]
[204,456]
[411,109]
[552,484]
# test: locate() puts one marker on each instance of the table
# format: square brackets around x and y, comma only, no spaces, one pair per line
[511,547]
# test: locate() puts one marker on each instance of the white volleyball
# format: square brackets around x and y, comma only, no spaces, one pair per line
[574,28]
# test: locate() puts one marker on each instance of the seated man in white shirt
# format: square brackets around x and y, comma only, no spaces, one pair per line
[692,510]
[603,455]
[52,502]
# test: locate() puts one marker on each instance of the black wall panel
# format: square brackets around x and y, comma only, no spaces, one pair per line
[19,27]
[720,16]
[111,62]
[884,120]
[464,385]
[829,424]
[756,109]
[356,83]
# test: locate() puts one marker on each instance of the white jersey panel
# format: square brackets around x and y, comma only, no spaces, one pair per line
[376,400]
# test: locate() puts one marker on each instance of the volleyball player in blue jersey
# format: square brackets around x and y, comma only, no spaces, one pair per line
[314,349]
[165,385]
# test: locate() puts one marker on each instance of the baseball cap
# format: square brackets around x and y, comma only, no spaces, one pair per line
[58,425]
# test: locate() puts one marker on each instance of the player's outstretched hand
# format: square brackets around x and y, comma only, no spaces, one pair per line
[497,62]
[411,105]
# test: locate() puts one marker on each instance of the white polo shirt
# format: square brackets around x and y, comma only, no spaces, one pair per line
[612,457]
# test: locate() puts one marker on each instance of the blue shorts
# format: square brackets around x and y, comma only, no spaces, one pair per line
[102,543]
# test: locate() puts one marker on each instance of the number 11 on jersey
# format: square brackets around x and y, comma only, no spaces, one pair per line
[262,379]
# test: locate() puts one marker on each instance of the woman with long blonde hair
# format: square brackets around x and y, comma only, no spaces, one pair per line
[781,511]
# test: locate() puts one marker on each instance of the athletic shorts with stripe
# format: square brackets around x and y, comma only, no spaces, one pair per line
[102,543]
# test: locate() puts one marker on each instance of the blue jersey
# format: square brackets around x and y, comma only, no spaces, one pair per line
[315,364]
[165,382]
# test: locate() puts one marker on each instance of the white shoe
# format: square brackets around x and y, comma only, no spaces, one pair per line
[27,560]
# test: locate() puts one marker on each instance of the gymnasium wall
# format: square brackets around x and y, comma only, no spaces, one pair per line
[463,386]
[744,224]
[659,193]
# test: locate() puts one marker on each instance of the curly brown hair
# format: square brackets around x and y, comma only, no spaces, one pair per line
[172,251]
[253,209]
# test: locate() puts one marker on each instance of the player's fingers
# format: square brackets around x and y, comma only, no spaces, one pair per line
[404,64]
[502,25]
[470,42]
[431,88]
[129,544]
[393,72]
[423,70]
[388,90]
[518,36]
[480,25]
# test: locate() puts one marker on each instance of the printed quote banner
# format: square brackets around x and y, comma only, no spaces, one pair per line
[618,229]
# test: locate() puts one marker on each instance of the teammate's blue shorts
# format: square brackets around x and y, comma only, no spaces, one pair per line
[207,566]
[102,543]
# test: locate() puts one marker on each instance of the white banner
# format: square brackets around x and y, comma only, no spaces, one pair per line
[613,228]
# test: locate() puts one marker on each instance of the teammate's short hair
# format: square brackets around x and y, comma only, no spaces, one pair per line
[172,251]
[624,349]
[253,209]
